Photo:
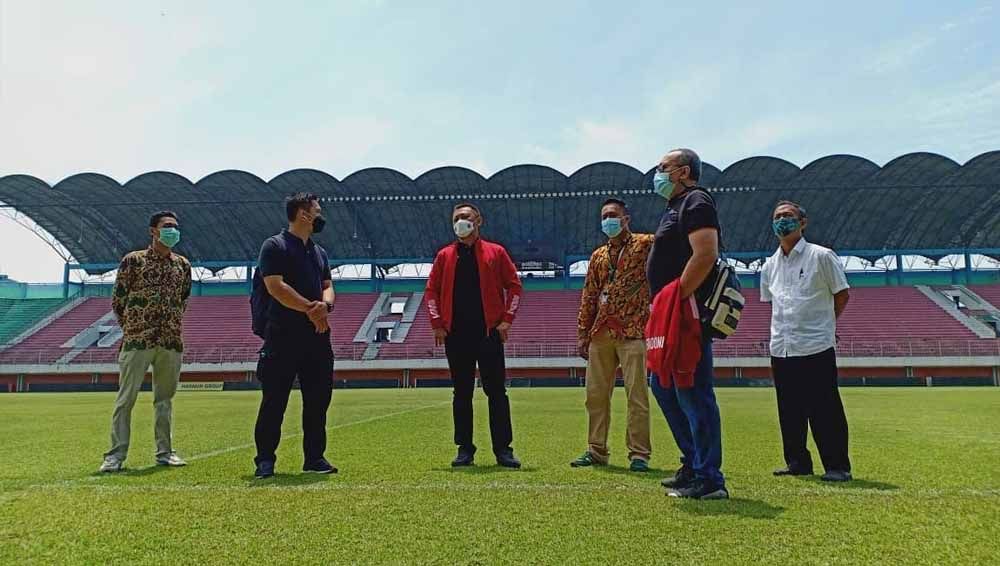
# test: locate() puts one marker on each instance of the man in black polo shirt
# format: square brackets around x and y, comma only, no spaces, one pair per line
[686,246]
[296,273]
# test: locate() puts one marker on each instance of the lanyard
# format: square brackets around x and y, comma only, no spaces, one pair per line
[613,266]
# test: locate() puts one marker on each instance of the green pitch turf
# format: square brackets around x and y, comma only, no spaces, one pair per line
[928,487]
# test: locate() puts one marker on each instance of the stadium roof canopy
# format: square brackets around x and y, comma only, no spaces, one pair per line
[920,204]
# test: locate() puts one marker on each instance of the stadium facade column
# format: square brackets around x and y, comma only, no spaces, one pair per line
[899,270]
[250,268]
[968,267]
[566,266]
[66,280]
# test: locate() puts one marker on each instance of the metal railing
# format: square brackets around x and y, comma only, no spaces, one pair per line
[355,352]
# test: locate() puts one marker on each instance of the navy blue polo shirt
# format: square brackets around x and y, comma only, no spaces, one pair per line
[304,266]
[685,213]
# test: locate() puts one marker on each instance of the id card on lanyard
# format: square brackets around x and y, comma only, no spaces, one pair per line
[613,267]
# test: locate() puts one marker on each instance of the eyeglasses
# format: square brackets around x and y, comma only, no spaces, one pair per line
[660,168]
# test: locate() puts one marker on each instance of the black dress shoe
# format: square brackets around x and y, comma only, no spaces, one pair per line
[466,457]
[793,472]
[264,470]
[507,460]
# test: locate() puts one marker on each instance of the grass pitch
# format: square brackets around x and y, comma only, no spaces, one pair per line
[928,487]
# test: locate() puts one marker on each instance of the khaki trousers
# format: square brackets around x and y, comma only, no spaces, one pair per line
[605,356]
[166,373]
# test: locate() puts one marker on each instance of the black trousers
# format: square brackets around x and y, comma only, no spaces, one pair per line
[465,350]
[808,397]
[284,358]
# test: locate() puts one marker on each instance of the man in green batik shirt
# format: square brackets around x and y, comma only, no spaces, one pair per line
[150,296]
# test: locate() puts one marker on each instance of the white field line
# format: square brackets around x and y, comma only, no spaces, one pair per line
[62,484]
[652,487]
[221,451]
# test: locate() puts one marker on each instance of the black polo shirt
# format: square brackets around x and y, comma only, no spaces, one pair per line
[304,266]
[468,318]
[685,213]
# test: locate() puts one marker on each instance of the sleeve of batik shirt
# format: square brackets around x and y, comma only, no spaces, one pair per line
[123,283]
[186,291]
[646,244]
[588,299]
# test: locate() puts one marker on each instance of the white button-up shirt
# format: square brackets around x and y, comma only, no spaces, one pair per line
[801,287]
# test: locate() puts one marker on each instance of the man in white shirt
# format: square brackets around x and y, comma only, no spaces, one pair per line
[808,290]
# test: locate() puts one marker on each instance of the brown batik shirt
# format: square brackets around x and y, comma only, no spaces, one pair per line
[616,294]
[151,293]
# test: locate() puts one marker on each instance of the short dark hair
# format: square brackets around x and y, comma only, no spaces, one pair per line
[154,220]
[617,201]
[690,159]
[298,201]
[466,205]
[801,209]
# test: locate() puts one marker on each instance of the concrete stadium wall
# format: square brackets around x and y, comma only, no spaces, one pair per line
[531,372]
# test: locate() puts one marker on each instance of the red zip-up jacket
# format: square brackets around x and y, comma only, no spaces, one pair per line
[497,274]
[673,337]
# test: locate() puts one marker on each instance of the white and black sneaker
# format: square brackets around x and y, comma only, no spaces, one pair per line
[111,465]
[684,477]
[320,466]
[170,459]
[700,490]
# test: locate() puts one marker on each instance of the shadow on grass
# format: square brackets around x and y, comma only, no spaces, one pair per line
[746,508]
[488,469]
[289,480]
[132,472]
[653,473]
[853,484]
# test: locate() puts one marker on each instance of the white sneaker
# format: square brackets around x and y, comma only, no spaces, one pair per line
[170,459]
[111,465]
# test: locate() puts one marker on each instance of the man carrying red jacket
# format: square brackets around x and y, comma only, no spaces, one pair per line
[473,293]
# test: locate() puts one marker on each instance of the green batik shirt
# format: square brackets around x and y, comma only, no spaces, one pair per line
[151,293]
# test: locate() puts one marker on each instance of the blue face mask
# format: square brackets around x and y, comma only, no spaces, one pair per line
[611,227]
[785,226]
[662,185]
[170,236]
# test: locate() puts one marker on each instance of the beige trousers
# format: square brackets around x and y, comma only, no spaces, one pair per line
[166,373]
[605,356]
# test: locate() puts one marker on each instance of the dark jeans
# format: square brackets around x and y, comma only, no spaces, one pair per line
[808,397]
[693,417]
[464,351]
[282,359]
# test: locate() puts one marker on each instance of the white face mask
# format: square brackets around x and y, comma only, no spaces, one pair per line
[463,228]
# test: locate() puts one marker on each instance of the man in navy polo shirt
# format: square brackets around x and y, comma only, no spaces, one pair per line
[686,247]
[296,273]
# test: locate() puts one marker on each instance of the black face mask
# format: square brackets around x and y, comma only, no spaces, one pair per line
[318,224]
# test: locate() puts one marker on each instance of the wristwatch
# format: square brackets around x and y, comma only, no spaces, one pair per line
[329,306]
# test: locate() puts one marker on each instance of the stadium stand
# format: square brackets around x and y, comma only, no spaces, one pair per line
[216,330]
[898,317]
[989,292]
[47,345]
[880,321]
[18,315]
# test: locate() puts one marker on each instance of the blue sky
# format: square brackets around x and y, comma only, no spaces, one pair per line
[194,87]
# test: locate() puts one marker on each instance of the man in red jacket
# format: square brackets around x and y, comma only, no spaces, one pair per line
[473,293]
